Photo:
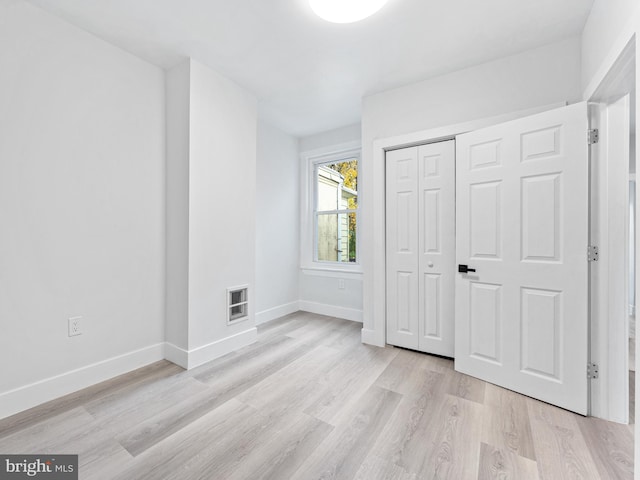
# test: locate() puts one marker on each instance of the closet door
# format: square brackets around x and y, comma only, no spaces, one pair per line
[436,243]
[402,248]
[420,209]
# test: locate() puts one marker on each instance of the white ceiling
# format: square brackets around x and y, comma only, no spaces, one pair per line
[310,75]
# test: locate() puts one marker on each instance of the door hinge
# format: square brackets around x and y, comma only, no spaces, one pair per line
[592,370]
[592,253]
[593,136]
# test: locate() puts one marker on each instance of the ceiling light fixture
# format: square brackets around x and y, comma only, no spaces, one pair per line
[345,11]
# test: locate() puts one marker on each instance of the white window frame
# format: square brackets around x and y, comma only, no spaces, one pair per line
[308,211]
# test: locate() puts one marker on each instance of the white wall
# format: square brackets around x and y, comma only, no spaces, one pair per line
[177,90]
[81,208]
[536,77]
[211,163]
[222,199]
[320,290]
[277,224]
[330,138]
[607,22]
[544,76]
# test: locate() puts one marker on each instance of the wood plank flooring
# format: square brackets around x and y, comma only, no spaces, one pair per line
[309,401]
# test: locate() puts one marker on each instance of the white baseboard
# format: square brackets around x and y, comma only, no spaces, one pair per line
[188,359]
[276,312]
[206,353]
[371,337]
[176,355]
[34,394]
[331,310]
[28,396]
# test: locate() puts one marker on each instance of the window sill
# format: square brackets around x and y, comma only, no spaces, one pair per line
[331,271]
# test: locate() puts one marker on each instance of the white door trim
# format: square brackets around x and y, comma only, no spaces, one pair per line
[607,66]
[610,394]
[609,275]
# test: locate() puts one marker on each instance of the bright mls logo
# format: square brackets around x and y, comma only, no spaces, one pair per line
[51,467]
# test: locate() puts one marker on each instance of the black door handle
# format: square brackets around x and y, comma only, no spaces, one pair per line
[465,269]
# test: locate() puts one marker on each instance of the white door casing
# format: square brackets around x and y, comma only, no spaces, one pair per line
[609,275]
[421,247]
[522,223]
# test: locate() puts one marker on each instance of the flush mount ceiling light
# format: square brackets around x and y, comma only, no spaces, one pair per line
[345,11]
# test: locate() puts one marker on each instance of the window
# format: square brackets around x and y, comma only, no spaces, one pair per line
[336,210]
[330,210]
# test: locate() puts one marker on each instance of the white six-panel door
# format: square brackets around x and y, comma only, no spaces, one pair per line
[421,247]
[522,224]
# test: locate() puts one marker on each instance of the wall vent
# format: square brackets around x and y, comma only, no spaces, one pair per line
[237,304]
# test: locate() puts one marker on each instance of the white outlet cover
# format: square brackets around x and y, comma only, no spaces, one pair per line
[75,326]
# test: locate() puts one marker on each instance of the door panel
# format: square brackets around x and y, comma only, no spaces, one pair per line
[485,326]
[541,213]
[541,324]
[404,294]
[432,306]
[420,209]
[405,227]
[485,220]
[431,229]
[522,223]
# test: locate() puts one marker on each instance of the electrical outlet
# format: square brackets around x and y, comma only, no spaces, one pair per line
[75,326]
[341,283]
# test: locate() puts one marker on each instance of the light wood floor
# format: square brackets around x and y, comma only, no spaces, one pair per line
[309,401]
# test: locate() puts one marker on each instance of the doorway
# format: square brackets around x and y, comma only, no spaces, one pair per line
[521,216]
[420,213]
[613,231]
[374,332]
